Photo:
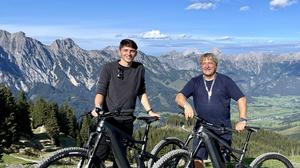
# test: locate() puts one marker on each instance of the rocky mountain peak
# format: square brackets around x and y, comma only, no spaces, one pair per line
[19,34]
[192,51]
[4,34]
[112,51]
[15,42]
[4,38]
[64,44]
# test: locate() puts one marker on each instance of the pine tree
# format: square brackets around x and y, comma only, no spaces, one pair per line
[38,112]
[67,120]
[23,113]
[84,131]
[8,130]
[51,122]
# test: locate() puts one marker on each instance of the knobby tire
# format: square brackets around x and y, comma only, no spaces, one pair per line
[273,159]
[67,157]
[178,158]
[164,146]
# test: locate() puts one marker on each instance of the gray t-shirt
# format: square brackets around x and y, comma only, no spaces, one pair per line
[121,85]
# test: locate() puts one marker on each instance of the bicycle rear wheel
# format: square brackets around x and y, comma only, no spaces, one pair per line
[178,158]
[271,160]
[67,157]
[164,146]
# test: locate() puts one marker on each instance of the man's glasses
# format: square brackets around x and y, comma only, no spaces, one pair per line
[120,73]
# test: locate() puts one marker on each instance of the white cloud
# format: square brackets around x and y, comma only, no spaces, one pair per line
[153,34]
[184,36]
[201,6]
[224,38]
[244,8]
[275,4]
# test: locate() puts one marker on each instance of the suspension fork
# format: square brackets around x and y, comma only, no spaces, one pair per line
[91,152]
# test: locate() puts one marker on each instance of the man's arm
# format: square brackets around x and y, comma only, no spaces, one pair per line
[99,99]
[182,102]
[146,105]
[242,106]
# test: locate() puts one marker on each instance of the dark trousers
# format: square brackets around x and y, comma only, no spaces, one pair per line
[113,142]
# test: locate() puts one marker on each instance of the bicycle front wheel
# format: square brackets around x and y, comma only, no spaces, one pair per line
[271,160]
[178,158]
[164,146]
[67,157]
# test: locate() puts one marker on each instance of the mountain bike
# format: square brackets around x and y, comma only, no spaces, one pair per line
[83,157]
[207,137]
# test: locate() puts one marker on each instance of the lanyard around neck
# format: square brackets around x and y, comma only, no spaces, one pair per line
[209,92]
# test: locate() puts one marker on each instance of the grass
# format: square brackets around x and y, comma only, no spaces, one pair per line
[294,159]
[9,160]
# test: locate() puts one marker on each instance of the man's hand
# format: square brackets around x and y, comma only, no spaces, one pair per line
[94,113]
[188,111]
[153,114]
[240,126]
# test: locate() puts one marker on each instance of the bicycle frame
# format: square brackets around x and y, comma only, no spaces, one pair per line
[105,128]
[206,136]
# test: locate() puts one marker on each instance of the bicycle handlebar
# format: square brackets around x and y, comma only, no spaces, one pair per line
[105,114]
[220,127]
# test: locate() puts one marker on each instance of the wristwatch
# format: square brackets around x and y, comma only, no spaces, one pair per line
[243,119]
[148,111]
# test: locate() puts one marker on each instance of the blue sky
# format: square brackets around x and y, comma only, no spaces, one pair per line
[160,26]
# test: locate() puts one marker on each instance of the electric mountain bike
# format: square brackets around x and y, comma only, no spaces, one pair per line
[207,137]
[83,157]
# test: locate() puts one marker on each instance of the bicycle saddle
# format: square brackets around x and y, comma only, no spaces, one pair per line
[148,119]
[253,129]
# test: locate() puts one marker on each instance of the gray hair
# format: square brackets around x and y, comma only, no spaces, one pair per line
[209,55]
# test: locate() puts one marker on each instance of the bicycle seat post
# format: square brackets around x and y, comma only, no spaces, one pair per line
[145,137]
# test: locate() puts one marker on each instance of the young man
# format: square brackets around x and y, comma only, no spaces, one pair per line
[211,92]
[119,85]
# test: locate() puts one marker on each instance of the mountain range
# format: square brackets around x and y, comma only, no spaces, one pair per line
[64,72]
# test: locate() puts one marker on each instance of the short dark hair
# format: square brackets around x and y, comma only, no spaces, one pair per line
[128,43]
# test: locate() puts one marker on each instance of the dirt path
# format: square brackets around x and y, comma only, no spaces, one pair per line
[296,164]
[19,157]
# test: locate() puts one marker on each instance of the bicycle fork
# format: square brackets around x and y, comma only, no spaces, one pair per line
[91,153]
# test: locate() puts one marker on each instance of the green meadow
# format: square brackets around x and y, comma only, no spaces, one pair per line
[279,113]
